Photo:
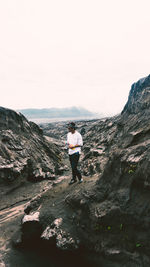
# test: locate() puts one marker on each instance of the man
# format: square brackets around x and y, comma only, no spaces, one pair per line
[74,141]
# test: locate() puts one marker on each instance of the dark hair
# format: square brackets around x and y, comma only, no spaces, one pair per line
[71,125]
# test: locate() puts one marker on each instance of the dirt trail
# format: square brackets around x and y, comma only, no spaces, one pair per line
[12,205]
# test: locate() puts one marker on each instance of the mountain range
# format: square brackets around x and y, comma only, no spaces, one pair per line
[73,112]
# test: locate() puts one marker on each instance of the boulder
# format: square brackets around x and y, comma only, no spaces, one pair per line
[62,239]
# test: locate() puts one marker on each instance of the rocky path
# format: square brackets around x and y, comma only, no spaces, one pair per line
[12,206]
[10,216]
[13,202]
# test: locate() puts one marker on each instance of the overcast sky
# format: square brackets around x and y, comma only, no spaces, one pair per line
[62,53]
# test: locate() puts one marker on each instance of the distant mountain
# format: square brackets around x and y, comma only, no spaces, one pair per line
[56,113]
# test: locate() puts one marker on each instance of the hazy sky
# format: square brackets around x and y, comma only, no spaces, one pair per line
[62,53]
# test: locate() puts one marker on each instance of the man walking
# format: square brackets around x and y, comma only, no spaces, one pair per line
[75,142]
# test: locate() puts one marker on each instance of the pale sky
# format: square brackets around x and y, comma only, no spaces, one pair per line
[63,53]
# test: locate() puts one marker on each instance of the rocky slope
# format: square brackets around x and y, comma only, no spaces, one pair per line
[104,221]
[25,152]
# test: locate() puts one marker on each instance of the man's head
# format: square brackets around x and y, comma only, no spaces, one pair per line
[71,127]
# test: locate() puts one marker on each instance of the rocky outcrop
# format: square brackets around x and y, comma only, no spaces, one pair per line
[24,151]
[118,204]
[62,239]
[139,97]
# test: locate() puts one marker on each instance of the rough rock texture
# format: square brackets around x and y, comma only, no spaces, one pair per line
[111,216]
[139,97]
[63,240]
[58,130]
[92,150]
[119,203]
[24,151]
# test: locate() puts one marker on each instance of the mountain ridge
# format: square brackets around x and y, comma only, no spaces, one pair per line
[33,113]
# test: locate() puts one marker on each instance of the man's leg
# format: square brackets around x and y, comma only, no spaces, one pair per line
[75,160]
[71,158]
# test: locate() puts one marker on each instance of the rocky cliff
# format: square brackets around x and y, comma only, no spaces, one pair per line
[106,220]
[24,151]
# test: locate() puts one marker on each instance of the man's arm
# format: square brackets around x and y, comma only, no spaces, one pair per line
[80,140]
[71,146]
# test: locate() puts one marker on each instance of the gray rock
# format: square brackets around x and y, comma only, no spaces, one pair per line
[31,217]
[25,152]
[62,239]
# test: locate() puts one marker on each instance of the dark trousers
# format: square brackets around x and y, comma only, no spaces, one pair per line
[74,158]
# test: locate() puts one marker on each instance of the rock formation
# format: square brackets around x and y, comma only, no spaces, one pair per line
[25,152]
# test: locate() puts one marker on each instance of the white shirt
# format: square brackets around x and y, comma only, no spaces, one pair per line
[74,139]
